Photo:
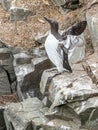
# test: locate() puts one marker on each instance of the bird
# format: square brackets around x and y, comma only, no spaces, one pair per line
[58,46]
[53,46]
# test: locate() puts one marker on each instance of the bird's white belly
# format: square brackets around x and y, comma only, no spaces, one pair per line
[53,53]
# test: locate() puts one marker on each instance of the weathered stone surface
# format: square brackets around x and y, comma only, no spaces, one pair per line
[63,2]
[8,77]
[19,13]
[66,114]
[78,90]
[29,75]
[87,110]
[30,114]
[66,5]
[6,4]
[2,122]
[4,82]
[16,50]
[58,2]
[68,87]
[92,20]
[58,124]
[19,115]
[39,51]
[83,1]
[21,58]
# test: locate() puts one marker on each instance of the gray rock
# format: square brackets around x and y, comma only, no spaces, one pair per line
[18,116]
[58,124]
[29,75]
[66,114]
[66,5]
[92,20]
[21,58]
[77,90]
[58,2]
[16,50]
[4,83]
[62,2]
[8,77]
[30,114]
[19,13]
[67,88]
[6,4]
[87,110]
[39,51]
[2,122]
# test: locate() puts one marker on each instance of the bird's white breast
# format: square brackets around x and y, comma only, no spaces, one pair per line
[54,52]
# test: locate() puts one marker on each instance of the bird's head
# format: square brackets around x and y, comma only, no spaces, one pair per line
[54,24]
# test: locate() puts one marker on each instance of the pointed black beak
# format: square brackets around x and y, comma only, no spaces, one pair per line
[47,19]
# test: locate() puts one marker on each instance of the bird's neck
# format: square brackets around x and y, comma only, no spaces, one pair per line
[54,31]
[56,34]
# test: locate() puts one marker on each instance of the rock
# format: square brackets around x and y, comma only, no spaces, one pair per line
[18,116]
[19,13]
[16,50]
[6,4]
[71,88]
[58,124]
[78,90]
[82,2]
[2,122]
[66,5]
[67,87]
[58,2]
[30,114]
[39,51]
[21,58]
[63,2]
[92,20]
[4,83]
[29,74]
[21,72]
[66,114]
[87,110]
[8,77]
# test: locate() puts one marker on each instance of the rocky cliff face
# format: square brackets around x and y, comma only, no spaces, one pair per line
[92,19]
[67,101]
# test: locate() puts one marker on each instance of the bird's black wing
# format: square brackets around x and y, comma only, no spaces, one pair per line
[65,60]
[75,29]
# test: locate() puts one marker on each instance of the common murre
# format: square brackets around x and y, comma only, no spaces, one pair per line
[59,47]
[54,48]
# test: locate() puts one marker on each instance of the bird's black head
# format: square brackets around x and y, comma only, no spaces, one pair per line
[54,24]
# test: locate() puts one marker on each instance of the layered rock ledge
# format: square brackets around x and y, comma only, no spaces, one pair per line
[78,90]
